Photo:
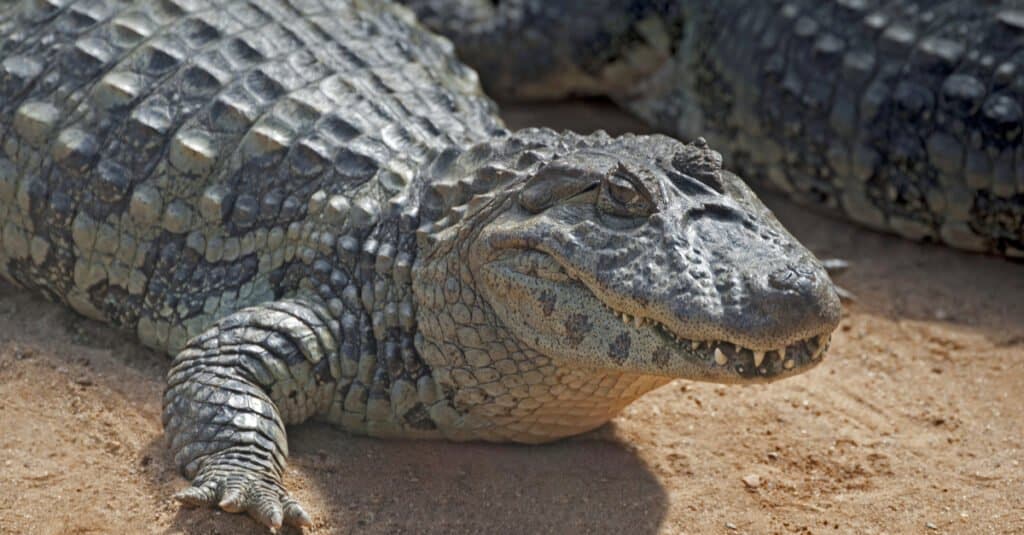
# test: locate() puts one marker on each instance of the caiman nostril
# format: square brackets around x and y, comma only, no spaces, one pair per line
[791,279]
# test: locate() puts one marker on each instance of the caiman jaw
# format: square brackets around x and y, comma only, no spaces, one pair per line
[724,353]
[745,361]
[721,357]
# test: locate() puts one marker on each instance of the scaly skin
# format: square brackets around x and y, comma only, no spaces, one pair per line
[317,212]
[902,115]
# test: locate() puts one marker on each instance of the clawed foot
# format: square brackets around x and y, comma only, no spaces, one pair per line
[236,489]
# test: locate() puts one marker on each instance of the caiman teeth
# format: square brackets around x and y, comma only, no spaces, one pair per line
[823,340]
[745,361]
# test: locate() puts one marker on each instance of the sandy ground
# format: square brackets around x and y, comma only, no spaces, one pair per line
[912,425]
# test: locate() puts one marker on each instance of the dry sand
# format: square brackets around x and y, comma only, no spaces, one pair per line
[913,424]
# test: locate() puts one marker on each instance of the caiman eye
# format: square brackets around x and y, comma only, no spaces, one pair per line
[621,197]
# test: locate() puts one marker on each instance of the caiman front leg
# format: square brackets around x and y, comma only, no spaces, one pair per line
[231,392]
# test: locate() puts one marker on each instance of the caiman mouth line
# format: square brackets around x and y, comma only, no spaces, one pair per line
[723,353]
[719,352]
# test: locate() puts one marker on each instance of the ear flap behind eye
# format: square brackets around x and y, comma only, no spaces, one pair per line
[552,184]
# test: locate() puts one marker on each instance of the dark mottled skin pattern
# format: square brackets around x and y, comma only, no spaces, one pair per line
[315,210]
[577,326]
[903,115]
[618,350]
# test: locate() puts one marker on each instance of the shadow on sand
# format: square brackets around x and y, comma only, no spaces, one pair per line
[361,485]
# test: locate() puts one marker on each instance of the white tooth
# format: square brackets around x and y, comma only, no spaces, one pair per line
[720,357]
[638,322]
[782,354]
[694,344]
[758,358]
[789,364]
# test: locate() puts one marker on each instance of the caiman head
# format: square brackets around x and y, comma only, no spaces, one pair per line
[605,263]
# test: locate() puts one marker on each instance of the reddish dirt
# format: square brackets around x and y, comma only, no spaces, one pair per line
[913,424]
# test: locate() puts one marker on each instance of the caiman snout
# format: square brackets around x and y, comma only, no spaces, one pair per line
[792,301]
